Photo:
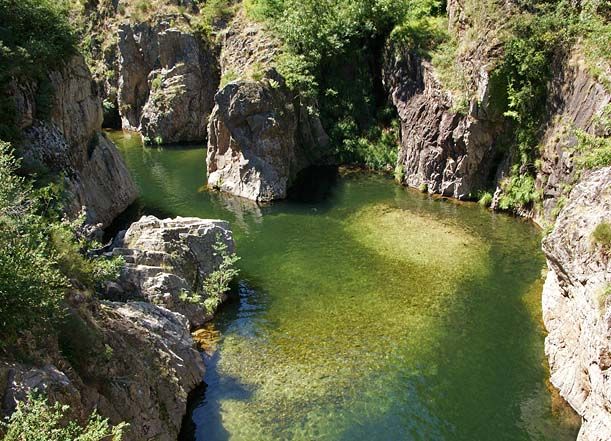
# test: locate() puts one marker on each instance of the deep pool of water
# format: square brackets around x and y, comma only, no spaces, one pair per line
[366,312]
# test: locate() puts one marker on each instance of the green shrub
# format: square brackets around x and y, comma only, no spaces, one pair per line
[399,173]
[37,420]
[602,234]
[210,12]
[519,191]
[595,149]
[217,283]
[485,199]
[39,254]
[228,77]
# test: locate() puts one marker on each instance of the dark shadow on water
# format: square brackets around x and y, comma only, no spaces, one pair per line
[314,184]
[203,402]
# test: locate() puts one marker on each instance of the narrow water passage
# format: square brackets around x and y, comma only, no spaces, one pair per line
[376,313]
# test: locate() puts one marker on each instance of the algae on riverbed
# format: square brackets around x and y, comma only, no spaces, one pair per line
[376,313]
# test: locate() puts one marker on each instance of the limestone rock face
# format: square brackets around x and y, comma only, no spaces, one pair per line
[577,307]
[449,153]
[168,258]
[167,81]
[260,135]
[69,141]
[139,367]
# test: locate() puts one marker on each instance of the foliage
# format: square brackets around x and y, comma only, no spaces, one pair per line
[485,199]
[37,420]
[31,285]
[211,11]
[519,191]
[331,51]
[35,36]
[228,77]
[39,254]
[602,234]
[595,149]
[217,282]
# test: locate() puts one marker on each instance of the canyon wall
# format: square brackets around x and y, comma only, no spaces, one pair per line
[69,142]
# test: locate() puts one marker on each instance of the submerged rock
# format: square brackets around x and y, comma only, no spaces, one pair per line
[168,260]
[577,305]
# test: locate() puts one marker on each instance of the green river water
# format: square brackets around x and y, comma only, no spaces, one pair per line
[366,311]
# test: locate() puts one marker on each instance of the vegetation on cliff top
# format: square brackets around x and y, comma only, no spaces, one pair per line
[35,37]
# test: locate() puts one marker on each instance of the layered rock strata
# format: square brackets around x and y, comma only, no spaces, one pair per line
[577,305]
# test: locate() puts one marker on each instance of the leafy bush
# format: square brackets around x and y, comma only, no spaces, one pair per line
[39,254]
[37,420]
[31,285]
[485,199]
[519,191]
[602,234]
[217,283]
[210,12]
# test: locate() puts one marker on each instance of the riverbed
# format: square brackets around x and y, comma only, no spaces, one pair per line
[365,311]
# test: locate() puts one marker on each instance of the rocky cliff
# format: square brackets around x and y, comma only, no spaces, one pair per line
[129,356]
[69,142]
[132,362]
[261,135]
[576,103]
[577,307]
[441,149]
[167,78]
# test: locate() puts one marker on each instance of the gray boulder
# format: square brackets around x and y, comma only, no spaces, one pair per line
[168,260]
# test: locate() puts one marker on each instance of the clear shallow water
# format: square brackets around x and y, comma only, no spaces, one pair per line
[374,313]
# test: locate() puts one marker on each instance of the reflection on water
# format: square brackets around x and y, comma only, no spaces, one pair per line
[370,313]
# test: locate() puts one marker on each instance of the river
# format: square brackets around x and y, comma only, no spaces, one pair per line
[366,311]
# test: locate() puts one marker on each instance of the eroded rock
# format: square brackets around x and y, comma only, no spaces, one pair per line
[441,149]
[260,134]
[70,142]
[170,258]
[577,308]
[136,363]
[167,80]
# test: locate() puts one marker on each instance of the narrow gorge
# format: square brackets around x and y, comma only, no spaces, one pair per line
[282,219]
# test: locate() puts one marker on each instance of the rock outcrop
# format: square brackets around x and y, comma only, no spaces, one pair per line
[577,305]
[576,102]
[167,261]
[447,152]
[68,141]
[132,362]
[260,134]
[167,78]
